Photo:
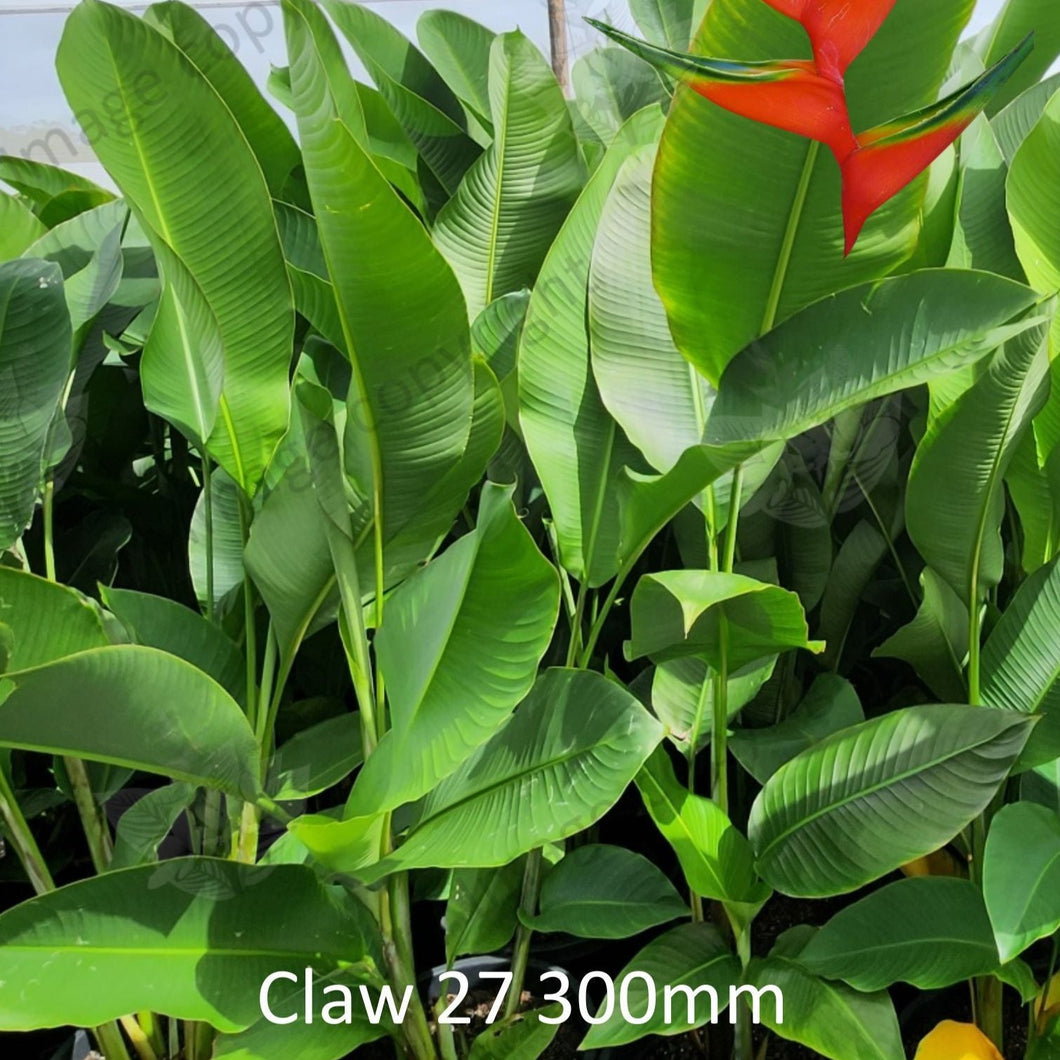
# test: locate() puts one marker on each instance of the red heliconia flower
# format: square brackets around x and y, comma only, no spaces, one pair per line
[787,95]
[838,29]
[892,155]
[808,98]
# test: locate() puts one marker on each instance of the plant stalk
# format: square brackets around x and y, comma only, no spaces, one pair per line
[521,953]
[49,529]
[110,1042]
[97,831]
[140,1042]
[744,1041]
[207,497]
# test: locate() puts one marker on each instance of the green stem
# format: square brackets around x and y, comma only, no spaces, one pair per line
[249,624]
[521,954]
[735,500]
[111,1043]
[49,529]
[575,645]
[744,1040]
[97,831]
[207,496]
[22,839]
[719,736]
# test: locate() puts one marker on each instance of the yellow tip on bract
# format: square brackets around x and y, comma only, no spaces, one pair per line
[957,1041]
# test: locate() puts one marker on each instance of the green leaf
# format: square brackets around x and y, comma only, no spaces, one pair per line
[287,555]
[227,540]
[42,184]
[856,345]
[104,705]
[955,495]
[268,136]
[1021,662]
[459,49]
[482,912]
[422,102]
[410,406]
[831,704]
[935,643]
[610,86]
[1032,181]
[1016,19]
[682,697]
[660,401]
[714,855]
[606,892]
[459,647]
[159,623]
[870,798]
[677,613]
[19,227]
[576,447]
[498,329]
[929,931]
[230,284]
[35,364]
[316,759]
[671,23]
[308,1041]
[1021,876]
[147,822]
[692,956]
[1013,124]
[739,244]
[182,938]
[526,1038]
[829,1018]
[576,733]
[498,227]
[44,621]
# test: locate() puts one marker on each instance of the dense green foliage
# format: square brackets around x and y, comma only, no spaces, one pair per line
[437,497]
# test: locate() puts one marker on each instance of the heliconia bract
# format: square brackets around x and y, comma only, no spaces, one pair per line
[892,155]
[787,95]
[838,29]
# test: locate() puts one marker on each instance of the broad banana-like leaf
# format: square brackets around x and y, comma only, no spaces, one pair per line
[227,542]
[578,450]
[1032,182]
[316,758]
[746,236]
[45,621]
[1021,876]
[606,892]
[55,195]
[404,320]
[670,23]
[858,345]
[1021,661]
[659,400]
[728,619]
[870,798]
[500,224]
[587,738]
[264,129]
[177,152]
[1014,124]
[103,705]
[156,622]
[142,828]
[930,931]
[181,938]
[35,362]
[935,643]
[1015,20]
[481,914]
[459,647]
[19,227]
[714,855]
[692,956]
[419,98]
[831,704]
[955,495]
[682,697]
[459,48]
[610,86]
[831,1019]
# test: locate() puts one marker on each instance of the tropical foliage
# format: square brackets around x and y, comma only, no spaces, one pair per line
[440,518]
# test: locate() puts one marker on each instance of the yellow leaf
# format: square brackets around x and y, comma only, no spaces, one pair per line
[957,1041]
[940,863]
[1048,1004]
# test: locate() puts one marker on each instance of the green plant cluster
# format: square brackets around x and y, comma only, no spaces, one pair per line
[442,518]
